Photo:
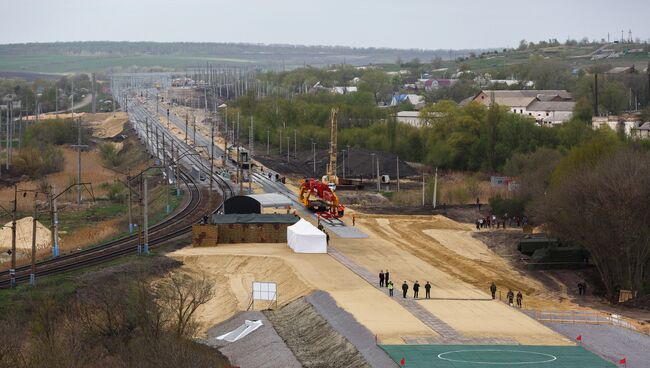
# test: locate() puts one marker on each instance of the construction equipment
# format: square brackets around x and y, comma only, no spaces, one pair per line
[319,197]
[330,178]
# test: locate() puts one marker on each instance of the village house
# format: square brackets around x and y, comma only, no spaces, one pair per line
[642,132]
[547,107]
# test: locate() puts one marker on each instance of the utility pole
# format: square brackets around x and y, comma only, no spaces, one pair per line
[313,153]
[130,201]
[251,140]
[378,181]
[186,122]
[32,274]
[372,165]
[145,215]
[54,216]
[211,159]
[194,128]
[398,173]
[12,271]
[79,146]
[423,189]
[435,188]
[268,140]
[94,93]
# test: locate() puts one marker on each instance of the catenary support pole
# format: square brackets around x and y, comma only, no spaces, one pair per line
[435,189]
[145,215]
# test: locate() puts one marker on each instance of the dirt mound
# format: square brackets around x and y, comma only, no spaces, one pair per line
[234,276]
[24,235]
[313,341]
[106,125]
[359,162]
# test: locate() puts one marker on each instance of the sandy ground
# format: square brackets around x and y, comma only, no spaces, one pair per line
[412,235]
[372,308]
[106,125]
[91,170]
[24,235]
[462,243]
[492,319]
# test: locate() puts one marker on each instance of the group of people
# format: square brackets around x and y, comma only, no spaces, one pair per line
[582,288]
[416,290]
[385,281]
[492,221]
[511,296]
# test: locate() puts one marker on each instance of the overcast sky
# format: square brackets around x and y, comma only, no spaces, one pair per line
[427,24]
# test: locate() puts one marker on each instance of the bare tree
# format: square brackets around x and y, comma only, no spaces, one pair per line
[606,210]
[181,294]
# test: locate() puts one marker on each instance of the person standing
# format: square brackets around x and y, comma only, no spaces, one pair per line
[519,299]
[381,278]
[427,290]
[493,290]
[390,288]
[386,277]
[405,288]
[511,297]
[354,219]
[416,289]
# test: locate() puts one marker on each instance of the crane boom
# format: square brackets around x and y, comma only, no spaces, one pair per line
[331,167]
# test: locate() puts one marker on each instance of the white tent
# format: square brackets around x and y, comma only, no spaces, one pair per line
[303,237]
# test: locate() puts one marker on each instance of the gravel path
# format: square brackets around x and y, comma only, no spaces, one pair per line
[263,348]
[610,342]
[345,324]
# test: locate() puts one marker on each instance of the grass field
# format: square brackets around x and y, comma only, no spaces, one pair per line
[474,356]
[61,64]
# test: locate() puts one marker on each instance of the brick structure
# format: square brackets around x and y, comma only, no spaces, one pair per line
[204,235]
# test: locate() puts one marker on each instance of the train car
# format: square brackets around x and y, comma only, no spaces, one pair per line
[198,174]
[244,159]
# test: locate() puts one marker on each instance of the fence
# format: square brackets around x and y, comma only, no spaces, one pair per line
[587,317]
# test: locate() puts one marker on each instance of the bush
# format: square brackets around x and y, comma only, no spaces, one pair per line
[109,154]
[115,192]
[53,132]
[512,206]
[38,161]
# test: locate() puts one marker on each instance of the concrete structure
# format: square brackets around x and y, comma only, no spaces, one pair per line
[642,132]
[626,124]
[547,107]
[551,112]
[410,118]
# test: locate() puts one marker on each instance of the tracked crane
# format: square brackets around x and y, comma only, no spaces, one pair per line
[318,195]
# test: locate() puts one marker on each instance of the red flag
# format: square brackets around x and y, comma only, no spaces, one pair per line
[402,362]
[579,338]
[622,361]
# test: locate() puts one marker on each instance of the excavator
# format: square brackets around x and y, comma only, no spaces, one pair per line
[318,195]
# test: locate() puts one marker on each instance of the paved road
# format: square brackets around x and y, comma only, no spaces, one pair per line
[610,342]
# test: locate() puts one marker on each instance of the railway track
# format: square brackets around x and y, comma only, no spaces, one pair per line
[180,224]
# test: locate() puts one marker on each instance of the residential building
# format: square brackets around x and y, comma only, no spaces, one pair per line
[547,107]
[415,100]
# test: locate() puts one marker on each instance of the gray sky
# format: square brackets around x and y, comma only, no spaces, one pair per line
[427,24]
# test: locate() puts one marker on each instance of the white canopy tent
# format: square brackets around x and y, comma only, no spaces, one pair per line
[303,237]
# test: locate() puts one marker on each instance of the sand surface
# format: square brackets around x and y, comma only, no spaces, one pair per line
[372,308]
[461,242]
[106,125]
[24,235]
[493,319]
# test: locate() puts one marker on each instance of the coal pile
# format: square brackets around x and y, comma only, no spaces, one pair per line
[358,163]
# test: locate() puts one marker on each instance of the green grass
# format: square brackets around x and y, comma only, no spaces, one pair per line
[62,64]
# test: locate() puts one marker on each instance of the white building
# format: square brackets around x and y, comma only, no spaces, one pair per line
[410,118]
[626,124]
[547,107]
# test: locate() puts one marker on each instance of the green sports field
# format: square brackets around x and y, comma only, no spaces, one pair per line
[474,356]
